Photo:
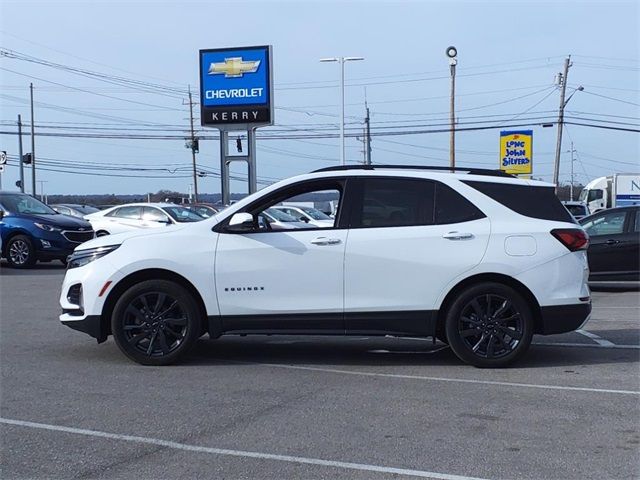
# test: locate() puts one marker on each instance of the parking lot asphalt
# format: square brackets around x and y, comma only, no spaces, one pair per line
[313,407]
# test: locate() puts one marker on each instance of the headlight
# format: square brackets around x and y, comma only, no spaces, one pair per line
[47,228]
[82,257]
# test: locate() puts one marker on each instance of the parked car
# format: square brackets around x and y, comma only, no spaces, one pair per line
[134,216]
[614,244]
[32,231]
[203,209]
[74,210]
[465,263]
[577,209]
[274,219]
[308,215]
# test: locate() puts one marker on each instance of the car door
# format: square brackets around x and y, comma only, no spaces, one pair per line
[284,280]
[408,239]
[613,245]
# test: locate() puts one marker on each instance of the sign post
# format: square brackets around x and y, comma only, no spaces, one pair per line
[236,95]
[516,152]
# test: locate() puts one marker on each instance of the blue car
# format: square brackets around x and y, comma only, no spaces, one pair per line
[32,231]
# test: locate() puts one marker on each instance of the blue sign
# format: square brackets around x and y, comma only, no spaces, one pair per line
[235,85]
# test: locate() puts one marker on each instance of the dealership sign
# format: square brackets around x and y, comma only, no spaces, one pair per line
[236,86]
[516,152]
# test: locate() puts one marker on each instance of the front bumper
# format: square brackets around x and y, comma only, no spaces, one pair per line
[564,318]
[89,324]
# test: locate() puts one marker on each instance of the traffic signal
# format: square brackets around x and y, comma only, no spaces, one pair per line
[196,145]
[27,159]
[239,145]
[19,184]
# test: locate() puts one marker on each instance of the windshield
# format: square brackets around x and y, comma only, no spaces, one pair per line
[20,203]
[183,215]
[315,214]
[280,216]
[583,195]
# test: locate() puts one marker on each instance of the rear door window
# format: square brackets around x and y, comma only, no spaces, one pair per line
[127,212]
[530,201]
[394,202]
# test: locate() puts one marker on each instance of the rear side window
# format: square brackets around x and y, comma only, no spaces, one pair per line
[451,207]
[530,201]
[394,202]
[126,212]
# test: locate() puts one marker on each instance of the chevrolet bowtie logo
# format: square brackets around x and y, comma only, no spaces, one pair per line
[234,67]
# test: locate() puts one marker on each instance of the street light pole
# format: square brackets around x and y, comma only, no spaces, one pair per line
[341,60]
[452,53]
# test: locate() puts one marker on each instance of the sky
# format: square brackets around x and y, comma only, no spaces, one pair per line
[509,54]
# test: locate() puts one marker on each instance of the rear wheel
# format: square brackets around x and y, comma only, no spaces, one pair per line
[156,322]
[489,325]
[20,252]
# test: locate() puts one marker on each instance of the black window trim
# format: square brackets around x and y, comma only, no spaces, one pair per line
[341,218]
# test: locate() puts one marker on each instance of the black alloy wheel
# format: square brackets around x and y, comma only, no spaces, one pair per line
[156,322]
[489,325]
[20,252]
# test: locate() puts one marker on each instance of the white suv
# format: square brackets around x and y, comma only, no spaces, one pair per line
[478,259]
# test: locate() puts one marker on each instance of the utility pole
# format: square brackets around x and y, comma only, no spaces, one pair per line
[33,147]
[20,153]
[563,84]
[193,149]
[367,138]
[571,185]
[452,53]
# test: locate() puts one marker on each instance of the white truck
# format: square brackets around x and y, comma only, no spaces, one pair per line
[617,190]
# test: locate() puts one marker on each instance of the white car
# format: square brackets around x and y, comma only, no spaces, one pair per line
[275,219]
[309,215]
[135,216]
[478,259]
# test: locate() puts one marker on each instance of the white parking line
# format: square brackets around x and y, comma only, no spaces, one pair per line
[238,453]
[586,345]
[596,338]
[446,379]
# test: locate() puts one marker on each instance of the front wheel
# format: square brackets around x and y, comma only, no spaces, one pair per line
[156,322]
[20,252]
[489,325]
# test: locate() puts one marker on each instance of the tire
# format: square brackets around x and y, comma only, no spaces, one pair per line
[20,252]
[156,322]
[480,337]
[101,233]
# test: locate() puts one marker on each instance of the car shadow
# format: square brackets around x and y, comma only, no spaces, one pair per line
[372,351]
[39,268]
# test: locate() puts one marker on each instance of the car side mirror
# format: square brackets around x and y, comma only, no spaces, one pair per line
[304,219]
[241,223]
[1,214]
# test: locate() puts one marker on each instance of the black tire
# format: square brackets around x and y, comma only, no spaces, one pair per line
[156,322]
[489,325]
[101,233]
[20,252]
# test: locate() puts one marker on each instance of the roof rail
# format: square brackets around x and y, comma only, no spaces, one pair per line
[469,170]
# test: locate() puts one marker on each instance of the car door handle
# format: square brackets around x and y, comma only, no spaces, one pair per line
[612,241]
[326,241]
[457,236]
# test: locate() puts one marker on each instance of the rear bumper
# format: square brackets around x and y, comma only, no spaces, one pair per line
[564,318]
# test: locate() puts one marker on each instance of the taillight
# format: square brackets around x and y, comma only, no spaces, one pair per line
[572,238]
